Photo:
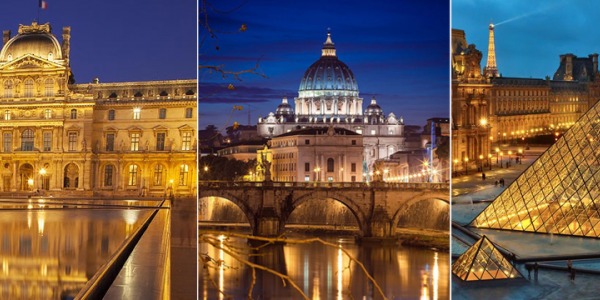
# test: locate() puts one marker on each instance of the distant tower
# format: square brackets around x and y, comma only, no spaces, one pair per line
[490,69]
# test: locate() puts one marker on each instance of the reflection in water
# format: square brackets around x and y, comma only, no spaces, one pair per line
[48,254]
[323,272]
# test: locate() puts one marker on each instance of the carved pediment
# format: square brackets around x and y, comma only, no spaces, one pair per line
[31,62]
[186,127]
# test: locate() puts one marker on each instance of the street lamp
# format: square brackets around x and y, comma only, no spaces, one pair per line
[43,174]
[317,174]
[520,155]
[481,162]
[466,166]
[509,156]
[455,163]
[497,152]
[501,153]
[490,160]
[30,183]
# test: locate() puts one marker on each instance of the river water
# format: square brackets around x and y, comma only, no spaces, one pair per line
[319,271]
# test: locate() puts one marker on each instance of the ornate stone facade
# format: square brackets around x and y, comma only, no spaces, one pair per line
[128,138]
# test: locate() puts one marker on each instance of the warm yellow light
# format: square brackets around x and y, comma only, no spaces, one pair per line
[455,161]
[205,168]
[42,171]
[483,122]
[466,159]
[480,156]
[30,181]
[497,149]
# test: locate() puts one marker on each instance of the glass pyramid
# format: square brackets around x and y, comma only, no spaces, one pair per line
[560,192]
[483,262]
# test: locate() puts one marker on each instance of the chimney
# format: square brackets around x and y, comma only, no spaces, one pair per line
[66,44]
[569,66]
[594,58]
[5,36]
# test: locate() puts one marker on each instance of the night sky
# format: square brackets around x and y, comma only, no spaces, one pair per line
[530,44]
[397,50]
[124,40]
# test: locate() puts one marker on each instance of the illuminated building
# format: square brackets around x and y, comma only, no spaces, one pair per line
[483,261]
[314,154]
[126,138]
[488,109]
[329,96]
[557,194]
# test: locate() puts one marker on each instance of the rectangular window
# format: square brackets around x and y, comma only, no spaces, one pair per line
[72,141]
[158,171]
[186,141]
[48,113]
[7,115]
[135,141]
[353,178]
[306,167]
[7,142]
[110,142]
[188,113]
[108,175]
[183,174]
[160,141]
[47,140]
[111,114]
[162,113]
[353,167]
[307,178]
[137,113]
[306,142]
[132,175]
[353,142]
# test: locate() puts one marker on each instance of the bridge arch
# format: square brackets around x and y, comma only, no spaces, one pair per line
[243,205]
[351,205]
[405,208]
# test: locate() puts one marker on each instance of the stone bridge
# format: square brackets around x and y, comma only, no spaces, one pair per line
[377,206]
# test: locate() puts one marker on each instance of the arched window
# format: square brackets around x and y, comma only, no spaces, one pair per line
[330,165]
[183,174]
[49,87]
[111,114]
[158,175]
[27,140]
[108,175]
[133,170]
[8,89]
[28,88]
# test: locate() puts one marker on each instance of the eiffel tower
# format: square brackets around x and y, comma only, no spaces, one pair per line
[560,192]
[490,69]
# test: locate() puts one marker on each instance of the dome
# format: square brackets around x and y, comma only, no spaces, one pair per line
[36,40]
[373,108]
[284,108]
[328,76]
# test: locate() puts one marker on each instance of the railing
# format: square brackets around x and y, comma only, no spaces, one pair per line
[99,284]
[332,185]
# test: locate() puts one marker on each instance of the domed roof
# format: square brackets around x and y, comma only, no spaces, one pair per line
[373,108]
[284,108]
[328,75]
[36,40]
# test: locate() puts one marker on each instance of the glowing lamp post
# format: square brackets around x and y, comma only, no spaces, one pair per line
[455,166]
[317,174]
[497,154]
[466,166]
[42,175]
[30,183]
[481,162]
[490,160]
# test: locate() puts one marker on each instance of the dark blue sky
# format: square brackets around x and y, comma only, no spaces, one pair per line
[530,44]
[397,50]
[124,40]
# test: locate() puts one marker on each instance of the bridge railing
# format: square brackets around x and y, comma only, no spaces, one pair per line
[312,185]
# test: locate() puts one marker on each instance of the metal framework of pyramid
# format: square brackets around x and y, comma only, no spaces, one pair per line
[560,192]
[483,261]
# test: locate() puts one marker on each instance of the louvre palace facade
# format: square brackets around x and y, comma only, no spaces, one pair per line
[498,109]
[102,139]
